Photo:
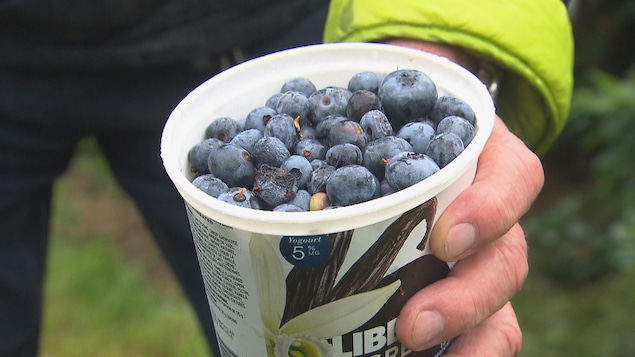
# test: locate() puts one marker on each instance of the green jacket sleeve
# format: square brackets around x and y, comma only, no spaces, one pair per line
[529,40]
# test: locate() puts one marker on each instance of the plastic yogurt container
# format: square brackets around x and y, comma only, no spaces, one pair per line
[323,283]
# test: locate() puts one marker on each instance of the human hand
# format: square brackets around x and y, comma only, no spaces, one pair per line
[480,230]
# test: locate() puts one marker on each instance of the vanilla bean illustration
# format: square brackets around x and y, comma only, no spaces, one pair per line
[308,287]
[370,268]
[430,209]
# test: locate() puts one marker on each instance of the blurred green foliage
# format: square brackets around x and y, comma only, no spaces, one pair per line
[603,31]
[590,233]
[98,300]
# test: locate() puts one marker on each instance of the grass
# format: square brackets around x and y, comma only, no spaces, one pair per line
[592,320]
[569,316]
[108,292]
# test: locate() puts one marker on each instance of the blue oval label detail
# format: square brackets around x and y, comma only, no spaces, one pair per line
[306,251]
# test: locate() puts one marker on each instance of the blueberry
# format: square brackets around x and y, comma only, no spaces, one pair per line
[271,151]
[418,134]
[444,148]
[344,154]
[408,168]
[258,118]
[210,184]
[299,167]
[311,149]
[293,103]
[246,139]
[328,101]
[331,207]
[273,100]
[385,188]
[378,153]
[366,80]
[241,197]
[233,165]
[274,185]
[287,207]
[459,126]
[199,154]
[307,131]
[223,129]
[428,121]
[299,84]
[302,199]
[351,184]
[318,163]
[450,105]
[282,127]
[347,131]
[318,178]
[406,95]
[324,127]
[375,125]
[361,102]
[377,185]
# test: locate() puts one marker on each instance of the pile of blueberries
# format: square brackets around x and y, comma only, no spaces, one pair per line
[308,149]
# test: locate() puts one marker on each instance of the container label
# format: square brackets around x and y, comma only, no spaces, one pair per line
[306,251]
[336,294]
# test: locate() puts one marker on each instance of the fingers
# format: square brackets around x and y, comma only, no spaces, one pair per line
[508,179]
[499,335]
[476,287]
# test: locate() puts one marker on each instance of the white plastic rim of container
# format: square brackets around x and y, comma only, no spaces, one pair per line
[239,89]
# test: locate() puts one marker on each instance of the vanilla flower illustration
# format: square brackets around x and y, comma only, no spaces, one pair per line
[305,335]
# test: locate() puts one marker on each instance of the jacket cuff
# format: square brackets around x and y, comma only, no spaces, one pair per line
[529,40]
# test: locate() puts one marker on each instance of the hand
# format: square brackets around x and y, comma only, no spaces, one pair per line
[480,230]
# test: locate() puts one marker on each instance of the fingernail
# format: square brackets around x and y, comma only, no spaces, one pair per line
[429,325]
[460,238]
